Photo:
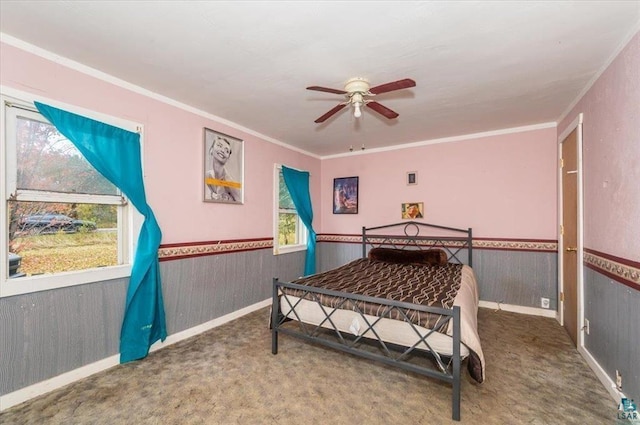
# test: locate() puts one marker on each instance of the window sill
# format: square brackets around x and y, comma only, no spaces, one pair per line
[288,249]
[29,284]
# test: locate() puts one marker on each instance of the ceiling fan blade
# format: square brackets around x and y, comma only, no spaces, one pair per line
[396,85]
[330,113]
[383,110]
[326,89]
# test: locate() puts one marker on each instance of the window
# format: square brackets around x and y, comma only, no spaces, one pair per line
[65,224]
[290,233]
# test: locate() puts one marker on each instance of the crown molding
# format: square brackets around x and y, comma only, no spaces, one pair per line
[447,140]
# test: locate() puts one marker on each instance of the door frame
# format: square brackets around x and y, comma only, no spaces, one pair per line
[575,125]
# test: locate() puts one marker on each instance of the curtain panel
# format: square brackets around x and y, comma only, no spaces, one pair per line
[298,185]
[115,153]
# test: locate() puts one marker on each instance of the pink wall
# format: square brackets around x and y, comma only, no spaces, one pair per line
[503,186]
[611,151]
[172,152]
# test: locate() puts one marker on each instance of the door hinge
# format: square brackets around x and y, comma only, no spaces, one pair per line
[561,162]
[561,229]
[561,296]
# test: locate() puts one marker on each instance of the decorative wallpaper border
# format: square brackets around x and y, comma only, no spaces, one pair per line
[198,249]
[624,271]
[540,245]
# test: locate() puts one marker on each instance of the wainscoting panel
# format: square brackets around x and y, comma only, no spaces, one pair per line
[331,255]
[200,289]
[288,267]
[613,311]
[44,334]
[517,277]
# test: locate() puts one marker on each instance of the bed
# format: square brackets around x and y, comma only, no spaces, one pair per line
[412,295]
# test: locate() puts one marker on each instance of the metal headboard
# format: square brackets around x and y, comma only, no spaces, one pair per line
[414,235]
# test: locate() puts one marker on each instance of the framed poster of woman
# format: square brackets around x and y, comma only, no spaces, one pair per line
[223,168]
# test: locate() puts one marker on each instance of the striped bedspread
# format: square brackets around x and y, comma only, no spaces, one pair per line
[415,284]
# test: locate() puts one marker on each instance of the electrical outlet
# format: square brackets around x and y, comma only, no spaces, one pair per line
[586,326]
[544,302]
[618,380]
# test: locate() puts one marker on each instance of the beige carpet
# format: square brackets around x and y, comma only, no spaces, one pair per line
[229,376]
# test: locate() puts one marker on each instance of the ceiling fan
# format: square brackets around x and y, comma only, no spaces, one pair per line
[356,90]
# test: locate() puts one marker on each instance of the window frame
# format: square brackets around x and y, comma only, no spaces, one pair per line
[129,219]
[302,232]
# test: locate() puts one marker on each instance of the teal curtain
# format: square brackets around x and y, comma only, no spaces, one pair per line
[115,153]
[298,185]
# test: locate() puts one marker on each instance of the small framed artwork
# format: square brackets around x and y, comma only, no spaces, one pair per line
[412,210]
[412,178]
[345,195]
[223,175]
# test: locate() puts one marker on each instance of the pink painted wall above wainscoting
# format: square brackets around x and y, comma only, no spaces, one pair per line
[172,151]
[611,152]
[503,186]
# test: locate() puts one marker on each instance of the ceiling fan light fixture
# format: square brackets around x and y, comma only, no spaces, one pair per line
[357,112]
[357,101]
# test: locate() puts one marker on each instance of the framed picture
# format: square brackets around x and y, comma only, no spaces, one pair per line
[412,210]
[223,175]
[345,195]
[412,178]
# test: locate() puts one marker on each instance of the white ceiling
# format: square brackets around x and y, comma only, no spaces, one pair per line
[479,66]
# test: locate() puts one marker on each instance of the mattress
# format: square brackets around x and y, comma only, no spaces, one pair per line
[390,330]
[436,286]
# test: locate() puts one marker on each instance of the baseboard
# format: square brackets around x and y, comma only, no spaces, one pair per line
[532,311]
[602,376]
[27,393]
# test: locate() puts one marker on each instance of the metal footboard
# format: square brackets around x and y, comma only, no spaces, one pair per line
[350,343]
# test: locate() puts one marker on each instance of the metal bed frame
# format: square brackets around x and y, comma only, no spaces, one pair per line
[389,353]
